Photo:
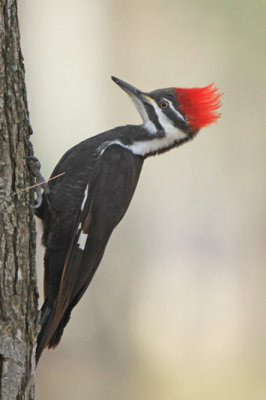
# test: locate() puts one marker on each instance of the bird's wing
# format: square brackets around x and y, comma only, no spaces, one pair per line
[105,202]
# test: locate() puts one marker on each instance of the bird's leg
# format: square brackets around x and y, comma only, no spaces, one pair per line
[35,168]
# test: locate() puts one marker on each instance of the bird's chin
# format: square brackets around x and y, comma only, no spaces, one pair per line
[139,106]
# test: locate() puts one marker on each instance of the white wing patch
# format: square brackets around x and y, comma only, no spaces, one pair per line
[82,240]
[85,197]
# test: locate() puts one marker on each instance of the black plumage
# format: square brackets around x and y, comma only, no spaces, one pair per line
[82,207]
[113,176]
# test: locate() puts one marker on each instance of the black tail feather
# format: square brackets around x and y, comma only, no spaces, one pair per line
[46,320]
[55,339]
[44,339]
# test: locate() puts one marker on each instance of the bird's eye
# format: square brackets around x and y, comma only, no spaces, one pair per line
[164,104]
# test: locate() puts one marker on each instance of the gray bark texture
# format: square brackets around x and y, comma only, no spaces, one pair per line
[18,290]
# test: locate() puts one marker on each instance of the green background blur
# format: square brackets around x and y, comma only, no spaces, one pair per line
[177,307]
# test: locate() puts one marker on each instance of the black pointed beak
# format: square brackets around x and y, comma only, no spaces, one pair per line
[129,89]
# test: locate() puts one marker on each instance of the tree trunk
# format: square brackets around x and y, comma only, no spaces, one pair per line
[18,291]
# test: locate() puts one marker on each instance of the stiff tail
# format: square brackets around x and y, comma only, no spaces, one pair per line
[55,339]
[46,321]
[44,338]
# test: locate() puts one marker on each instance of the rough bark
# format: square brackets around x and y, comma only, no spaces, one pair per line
[18,292]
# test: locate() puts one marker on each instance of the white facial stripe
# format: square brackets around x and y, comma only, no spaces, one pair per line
[179,115]
[164,121]
[172,135]
[152,145]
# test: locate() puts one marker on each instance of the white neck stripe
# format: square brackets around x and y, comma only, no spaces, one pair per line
[150,127]
[152,145]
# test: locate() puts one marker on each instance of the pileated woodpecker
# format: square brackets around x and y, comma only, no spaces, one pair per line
[82,207]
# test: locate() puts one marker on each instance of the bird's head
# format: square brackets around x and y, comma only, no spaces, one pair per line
[172,109]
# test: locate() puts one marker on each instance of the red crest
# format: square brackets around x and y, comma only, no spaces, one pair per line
[200,105]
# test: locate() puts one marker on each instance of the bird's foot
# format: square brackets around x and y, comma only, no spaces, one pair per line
[35,168]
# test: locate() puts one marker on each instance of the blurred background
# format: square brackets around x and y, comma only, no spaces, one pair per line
[177,307]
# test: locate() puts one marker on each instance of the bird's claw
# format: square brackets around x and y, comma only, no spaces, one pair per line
[35,168]
[38,200]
